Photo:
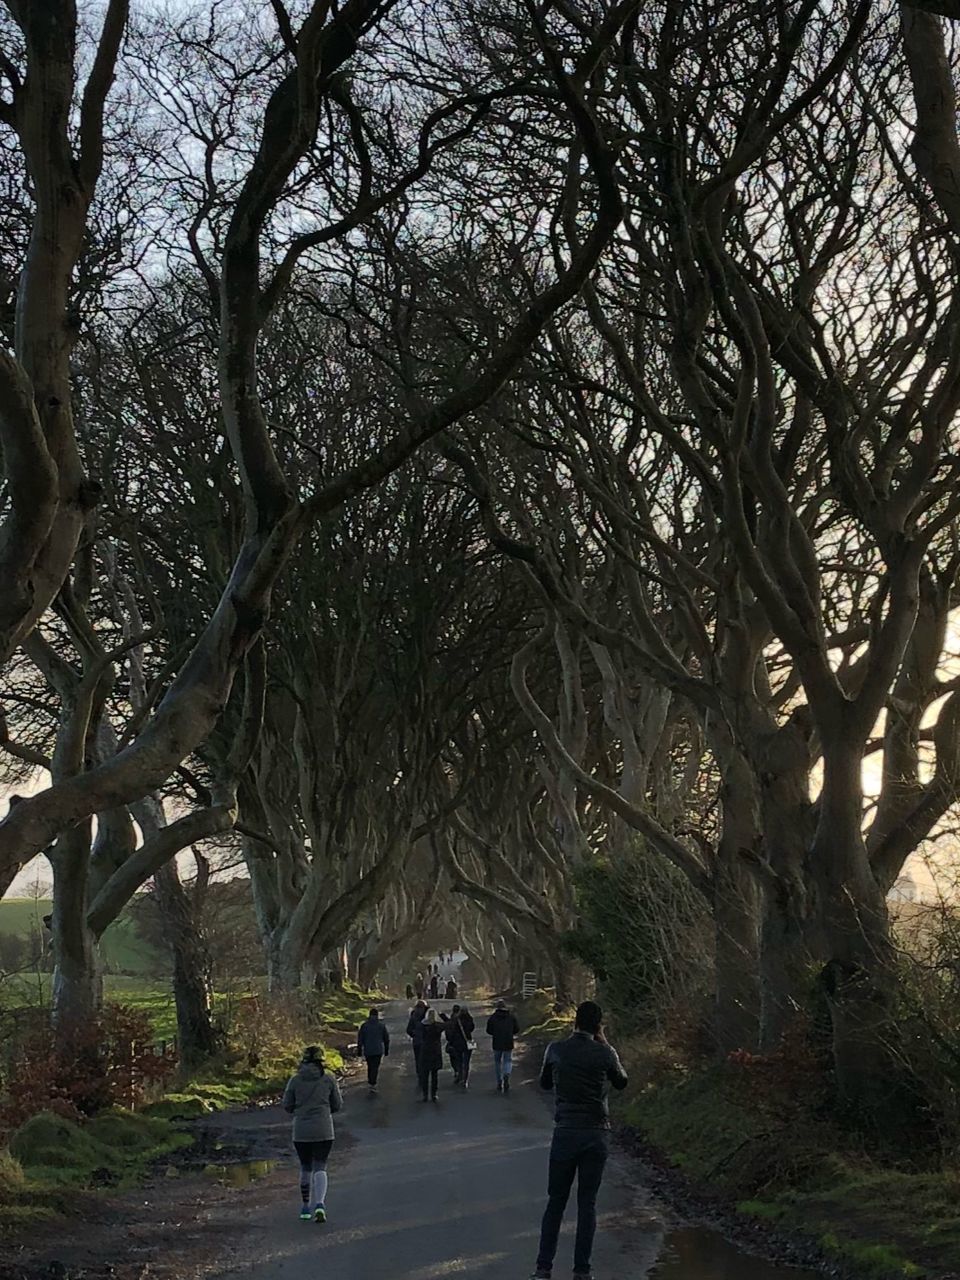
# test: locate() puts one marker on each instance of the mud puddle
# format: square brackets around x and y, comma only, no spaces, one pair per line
[697,1253]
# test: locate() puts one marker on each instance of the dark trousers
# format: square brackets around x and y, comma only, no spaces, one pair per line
[373,1068]
[456,1062]
[429,1081]
[580,1154]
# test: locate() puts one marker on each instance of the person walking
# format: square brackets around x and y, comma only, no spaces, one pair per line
[460,1028]
[451,991]
[415,1032]
[503,1029]
[434,986]
[580,1071]
[312,1097]
[373,1043]
[418,986]
[431,1056]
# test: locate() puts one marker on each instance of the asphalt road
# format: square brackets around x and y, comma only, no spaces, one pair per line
[422,1191]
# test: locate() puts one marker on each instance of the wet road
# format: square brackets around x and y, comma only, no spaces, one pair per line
[422,1191]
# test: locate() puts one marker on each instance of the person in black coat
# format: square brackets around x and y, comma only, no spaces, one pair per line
[460,1027]
[415,1032]
[431,1055]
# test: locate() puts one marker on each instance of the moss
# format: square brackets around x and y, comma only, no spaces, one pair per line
[762,1209]
[56,1152]
[872,1259]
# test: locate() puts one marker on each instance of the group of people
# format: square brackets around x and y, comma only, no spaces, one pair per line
[579,1070]
[434,986]
[427,1031]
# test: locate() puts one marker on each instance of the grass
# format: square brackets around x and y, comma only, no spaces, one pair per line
[799,1172]
[51,1158]
[123,949]
[540,1021]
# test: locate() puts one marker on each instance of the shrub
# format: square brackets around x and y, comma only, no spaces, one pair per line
[109,1063]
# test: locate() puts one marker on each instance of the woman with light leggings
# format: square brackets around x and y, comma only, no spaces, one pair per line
[312,1097]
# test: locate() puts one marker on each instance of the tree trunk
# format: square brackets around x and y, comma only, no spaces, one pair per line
[199,1039]
[77,974]
[736,915]
[736,911]
[858,976]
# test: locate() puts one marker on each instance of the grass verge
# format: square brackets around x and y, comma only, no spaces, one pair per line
[799,1172]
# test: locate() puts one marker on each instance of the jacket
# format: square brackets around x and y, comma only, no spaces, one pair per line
[431,1047]
[503,1026]
[459,1029]
[415,1026]
[580,1071]
[312,1097]
[373,1039]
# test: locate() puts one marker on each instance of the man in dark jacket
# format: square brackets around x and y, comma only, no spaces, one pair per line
[580,1071]
[415,1032]
[503,1029]
[373,1043]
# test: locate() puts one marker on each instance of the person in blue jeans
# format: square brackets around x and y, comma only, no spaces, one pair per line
[580,1071]
[503,1029]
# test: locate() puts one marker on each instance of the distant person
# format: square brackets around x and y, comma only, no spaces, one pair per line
[451,991]
[410,994]
[450,958]
[373,1043]
[415,1032]
[440,958]
[312,1097]
[434,987]
[503,1029]
[580,1071]
[418,986]
[431,1056]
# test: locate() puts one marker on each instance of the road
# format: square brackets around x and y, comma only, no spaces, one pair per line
[421,1191]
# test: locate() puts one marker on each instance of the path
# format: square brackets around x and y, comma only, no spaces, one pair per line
[421,1191]
[417,1192]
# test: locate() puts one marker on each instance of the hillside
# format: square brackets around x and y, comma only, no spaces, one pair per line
[124,950]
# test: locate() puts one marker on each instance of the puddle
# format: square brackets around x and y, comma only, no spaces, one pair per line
[240,1174]
[694,1253]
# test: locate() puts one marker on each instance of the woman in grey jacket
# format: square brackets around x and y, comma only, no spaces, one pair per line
[312,1097]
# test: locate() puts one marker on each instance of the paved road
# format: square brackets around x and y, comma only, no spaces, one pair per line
[422,1191]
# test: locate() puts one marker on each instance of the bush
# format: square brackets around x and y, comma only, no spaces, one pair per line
[645,935]
[109,1063]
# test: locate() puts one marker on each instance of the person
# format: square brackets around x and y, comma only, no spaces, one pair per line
[440,958]
[503,1028]
[312,1097]
[418,986]
[373,1043]
[450,958]
[410,995]
[415,1032]
[451,992]
[580,1071]
[460,1029]
[434,986]
[431,1056]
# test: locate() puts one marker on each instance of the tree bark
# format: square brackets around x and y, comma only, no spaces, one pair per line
[199,1039]
[77,974]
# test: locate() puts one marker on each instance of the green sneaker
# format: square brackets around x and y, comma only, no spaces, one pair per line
[305,1214]
[319,1214]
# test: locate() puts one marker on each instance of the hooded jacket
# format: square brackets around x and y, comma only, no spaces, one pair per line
[312,1097]
[373,1038]
[503,1027]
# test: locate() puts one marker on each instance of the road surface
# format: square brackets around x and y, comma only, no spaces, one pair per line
[422,1191]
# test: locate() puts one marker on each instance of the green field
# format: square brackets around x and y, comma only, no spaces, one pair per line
[124,951]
